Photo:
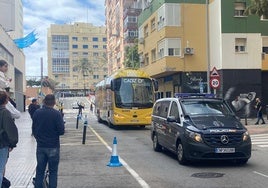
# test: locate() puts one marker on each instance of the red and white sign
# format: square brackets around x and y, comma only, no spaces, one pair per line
[214,73]
[215,82]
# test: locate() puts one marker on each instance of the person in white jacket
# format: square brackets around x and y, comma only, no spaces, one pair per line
[4,86]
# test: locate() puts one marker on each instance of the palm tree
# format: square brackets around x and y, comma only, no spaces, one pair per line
[132,57]
[85,67]
[258,7]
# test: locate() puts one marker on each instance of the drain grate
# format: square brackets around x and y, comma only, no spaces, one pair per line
[207,175]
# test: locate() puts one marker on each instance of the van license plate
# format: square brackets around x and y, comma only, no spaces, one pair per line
[134,120]
[224,150]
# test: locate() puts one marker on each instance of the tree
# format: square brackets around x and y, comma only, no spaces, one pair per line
[132,57]
[84,67]
[33,82]
[258,7]
[48,82]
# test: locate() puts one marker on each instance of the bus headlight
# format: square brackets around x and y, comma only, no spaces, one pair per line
[194,136]
[245,136]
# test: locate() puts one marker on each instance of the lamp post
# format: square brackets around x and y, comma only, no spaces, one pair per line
[208,46]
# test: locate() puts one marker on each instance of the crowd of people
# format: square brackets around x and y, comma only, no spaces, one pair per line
[47,126]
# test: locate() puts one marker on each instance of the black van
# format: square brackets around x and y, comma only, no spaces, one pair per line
[197,127]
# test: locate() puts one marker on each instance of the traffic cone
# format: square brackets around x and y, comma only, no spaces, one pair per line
[114,161]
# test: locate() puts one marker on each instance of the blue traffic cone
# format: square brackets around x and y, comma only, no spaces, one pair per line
[114,161]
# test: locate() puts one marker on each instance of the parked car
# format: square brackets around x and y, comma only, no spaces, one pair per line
[199,127]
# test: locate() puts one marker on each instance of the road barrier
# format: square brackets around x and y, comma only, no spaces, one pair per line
[114,161]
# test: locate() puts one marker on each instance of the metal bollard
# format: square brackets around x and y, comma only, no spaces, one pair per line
[85,129]
[77,121]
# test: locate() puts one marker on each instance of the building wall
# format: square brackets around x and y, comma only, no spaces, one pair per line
[79,34]
[16,70]
[11,17]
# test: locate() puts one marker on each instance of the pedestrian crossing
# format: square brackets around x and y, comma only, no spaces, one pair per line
[260,140]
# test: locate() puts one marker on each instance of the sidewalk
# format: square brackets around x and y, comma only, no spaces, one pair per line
[255,129]
[21,164]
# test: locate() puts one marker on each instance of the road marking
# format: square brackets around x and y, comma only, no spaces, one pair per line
[260,174]
[260,140]
[129,169]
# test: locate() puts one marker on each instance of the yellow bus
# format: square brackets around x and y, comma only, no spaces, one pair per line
[125,98]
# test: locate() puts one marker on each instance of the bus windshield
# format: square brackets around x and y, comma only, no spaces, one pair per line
[133,92]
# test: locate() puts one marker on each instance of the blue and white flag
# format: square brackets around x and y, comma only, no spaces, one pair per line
[26,41]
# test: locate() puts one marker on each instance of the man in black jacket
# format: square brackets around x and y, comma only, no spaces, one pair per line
[47,127]
[8,133]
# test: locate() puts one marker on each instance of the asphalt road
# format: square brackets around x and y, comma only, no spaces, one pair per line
[85,165]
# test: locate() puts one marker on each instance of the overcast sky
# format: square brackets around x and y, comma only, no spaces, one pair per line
[39,14]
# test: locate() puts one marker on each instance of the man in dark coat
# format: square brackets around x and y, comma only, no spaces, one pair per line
[47,127]
[33,107]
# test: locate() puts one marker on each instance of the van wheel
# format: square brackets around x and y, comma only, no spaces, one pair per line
[180,154]
[156,145]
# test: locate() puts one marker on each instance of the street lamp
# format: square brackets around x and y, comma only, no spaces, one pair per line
[208,46]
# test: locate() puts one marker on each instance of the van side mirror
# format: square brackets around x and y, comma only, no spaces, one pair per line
[172,119]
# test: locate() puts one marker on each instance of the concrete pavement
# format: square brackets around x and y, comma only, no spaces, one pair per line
[21,164]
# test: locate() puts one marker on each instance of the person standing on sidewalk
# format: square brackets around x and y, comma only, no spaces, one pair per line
[4,86]
[47,127]
[8,133]
[259,108]
[33,107]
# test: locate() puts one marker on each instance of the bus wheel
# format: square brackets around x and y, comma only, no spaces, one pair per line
[110,124]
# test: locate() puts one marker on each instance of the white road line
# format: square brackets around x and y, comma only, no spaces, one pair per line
[263,146]
[264,175]
[129,169]
[259,135]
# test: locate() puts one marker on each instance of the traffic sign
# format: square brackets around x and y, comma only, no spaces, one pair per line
[214,73]
[215,82]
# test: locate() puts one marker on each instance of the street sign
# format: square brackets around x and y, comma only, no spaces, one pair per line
[214,73]
[215,82]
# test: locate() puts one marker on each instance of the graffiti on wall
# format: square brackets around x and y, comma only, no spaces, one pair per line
[241,103]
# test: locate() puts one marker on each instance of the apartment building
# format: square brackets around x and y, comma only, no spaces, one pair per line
[70,46]
[11,27]
[122,29]
[180,42]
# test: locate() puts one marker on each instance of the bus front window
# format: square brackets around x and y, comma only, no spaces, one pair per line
[133,92]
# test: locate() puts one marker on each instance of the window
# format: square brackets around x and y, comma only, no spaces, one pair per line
[146,31]
[173,51]
[75,38]
[85,46]
[104,39]
[239,9]
[161,53]
[168,94]
[95,46]
[85,39]
[95,39]
[174,111]
[146,59]
[153,54]
[153,24]
[132,19]
[240,44]
[95,77]
[75,46]
[104,46]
